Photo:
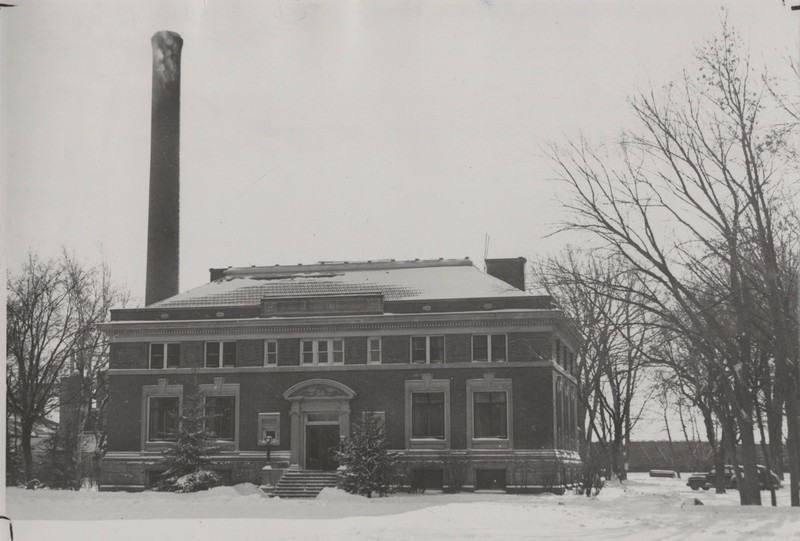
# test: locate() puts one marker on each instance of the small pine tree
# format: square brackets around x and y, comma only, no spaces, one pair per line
[13,462]
[367,465]
[60,465]
[186,460]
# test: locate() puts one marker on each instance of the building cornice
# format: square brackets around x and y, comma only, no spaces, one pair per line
[477,366]
[534,320]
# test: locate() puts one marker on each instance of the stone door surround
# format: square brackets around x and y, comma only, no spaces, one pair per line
[316,395]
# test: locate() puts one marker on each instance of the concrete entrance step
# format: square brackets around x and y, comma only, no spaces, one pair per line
[304,483]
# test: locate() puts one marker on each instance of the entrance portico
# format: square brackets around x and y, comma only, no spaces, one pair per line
[320,414]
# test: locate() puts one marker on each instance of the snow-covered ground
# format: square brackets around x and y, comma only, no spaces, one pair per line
[643,509]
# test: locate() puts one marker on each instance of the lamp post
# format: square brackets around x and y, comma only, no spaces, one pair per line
[268,442]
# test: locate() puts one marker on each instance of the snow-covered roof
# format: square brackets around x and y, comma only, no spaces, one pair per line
[396,280]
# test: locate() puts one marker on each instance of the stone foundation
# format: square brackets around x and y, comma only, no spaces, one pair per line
[544,470]
[140,471]
[511,471]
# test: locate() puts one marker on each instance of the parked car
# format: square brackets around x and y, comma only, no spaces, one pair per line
[766,479]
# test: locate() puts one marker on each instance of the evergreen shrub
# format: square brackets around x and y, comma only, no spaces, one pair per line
[366,465]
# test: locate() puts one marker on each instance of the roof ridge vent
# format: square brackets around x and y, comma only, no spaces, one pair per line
[340,266]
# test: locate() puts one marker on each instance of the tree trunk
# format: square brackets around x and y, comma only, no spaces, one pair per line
[786,385]
[669,439]
[767,458]
[774,410]
[749,493]
[27,455]
[793,446]
[83,416]
[719,457]
[717,447]
[616,459]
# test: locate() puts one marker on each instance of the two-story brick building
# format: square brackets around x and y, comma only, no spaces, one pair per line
[469,374]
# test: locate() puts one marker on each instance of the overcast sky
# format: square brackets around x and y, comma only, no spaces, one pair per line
[329,130]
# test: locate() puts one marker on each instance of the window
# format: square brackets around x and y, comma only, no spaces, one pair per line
[427,415]
[269,426]
[427,479]
[307,351]
[378,416]
[338,351]
[427,349]
[221,417]
[160,414]
[221,408]
[373,350]
[163,418]
[165,355]
[322,351]
[490,479]
[489,415]
[270,353]
[489,347]
[220,354]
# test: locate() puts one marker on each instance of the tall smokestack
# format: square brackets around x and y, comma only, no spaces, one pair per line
[163,239]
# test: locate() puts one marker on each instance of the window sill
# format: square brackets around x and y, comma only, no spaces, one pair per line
[159,445]
[312,365]
[223,447]
[490,443]
[428,443]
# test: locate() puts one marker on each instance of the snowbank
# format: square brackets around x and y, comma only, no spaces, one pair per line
[242,489]
[640,509]
[338,495]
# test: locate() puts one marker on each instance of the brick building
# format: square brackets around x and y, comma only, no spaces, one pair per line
[470,375]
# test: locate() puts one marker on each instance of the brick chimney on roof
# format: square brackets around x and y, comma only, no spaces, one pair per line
[510,270]
[163,239]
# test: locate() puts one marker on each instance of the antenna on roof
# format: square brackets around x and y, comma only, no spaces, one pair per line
[485,250]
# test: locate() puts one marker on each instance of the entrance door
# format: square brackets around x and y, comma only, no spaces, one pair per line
[322,442]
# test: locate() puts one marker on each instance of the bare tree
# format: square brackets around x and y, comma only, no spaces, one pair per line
[695,378]
[664,402]
[610,357]
[93,295]
[695,185]
[52,308]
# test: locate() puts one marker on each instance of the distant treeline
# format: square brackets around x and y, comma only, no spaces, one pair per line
[681,455]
